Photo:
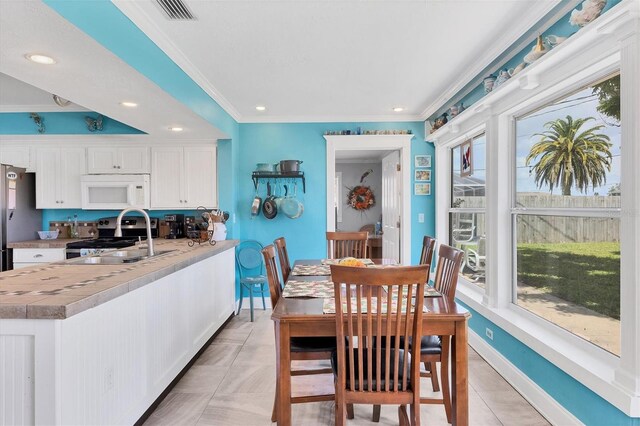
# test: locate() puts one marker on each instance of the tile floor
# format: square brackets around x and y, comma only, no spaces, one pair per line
[233,381]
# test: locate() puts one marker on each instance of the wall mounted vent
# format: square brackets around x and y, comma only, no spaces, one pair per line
[176,9]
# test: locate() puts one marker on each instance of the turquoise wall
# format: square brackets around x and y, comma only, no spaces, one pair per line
[61,123]
[269,143]
[586,405]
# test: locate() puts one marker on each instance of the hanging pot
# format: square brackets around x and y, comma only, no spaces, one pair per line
[290,166]
[269,207]
[291,207]
[257,203]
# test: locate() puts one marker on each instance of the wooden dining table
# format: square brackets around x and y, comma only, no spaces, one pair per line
[304,317]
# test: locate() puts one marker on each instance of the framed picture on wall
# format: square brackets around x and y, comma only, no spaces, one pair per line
[422,176]
[422,188]
[422,161]
[466,158]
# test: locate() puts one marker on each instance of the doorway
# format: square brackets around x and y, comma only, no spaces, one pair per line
[381,164]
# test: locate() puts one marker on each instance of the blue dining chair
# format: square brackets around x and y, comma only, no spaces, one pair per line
[251,269]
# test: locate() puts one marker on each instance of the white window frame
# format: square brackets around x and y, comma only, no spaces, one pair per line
[599,49]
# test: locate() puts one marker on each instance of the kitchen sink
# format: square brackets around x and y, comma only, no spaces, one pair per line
[116,257]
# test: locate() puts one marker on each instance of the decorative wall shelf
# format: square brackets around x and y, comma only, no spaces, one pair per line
[536,73]
[256,176]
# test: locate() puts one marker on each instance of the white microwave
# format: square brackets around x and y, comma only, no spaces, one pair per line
[115,192]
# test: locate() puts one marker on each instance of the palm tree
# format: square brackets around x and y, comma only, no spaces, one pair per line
[566,157]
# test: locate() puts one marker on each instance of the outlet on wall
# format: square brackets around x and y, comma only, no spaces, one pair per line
[420,217]
[489,333]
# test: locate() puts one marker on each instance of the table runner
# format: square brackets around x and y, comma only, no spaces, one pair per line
[310,270]
[318,289]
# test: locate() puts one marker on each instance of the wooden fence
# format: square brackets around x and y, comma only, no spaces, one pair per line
[555,229]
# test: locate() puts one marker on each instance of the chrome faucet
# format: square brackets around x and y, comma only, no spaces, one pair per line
[118,232]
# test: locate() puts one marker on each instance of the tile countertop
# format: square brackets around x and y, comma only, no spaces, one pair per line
[43,244]
[58,290]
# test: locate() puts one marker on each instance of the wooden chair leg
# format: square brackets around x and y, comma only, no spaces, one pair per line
[241,297]
[376,413]
[414,411]
[350,414]
[403,419]
[264,305]
[434,376]
[341,415]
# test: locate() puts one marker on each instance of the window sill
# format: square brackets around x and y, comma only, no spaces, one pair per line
[593,367]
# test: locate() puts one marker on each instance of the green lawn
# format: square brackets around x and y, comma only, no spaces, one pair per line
[587,274]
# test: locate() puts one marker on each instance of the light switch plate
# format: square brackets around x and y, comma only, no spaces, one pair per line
[420,217]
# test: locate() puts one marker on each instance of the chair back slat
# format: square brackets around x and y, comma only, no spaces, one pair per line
[275,289]
[346,244]
[375,311]
[283,257]
[449,261]
[428,246]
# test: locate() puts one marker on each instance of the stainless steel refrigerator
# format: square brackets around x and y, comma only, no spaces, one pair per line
[19,219]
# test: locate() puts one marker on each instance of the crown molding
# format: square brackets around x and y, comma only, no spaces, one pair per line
[487,58]
[140,19]
[330,119]
[41,108]
[98,138]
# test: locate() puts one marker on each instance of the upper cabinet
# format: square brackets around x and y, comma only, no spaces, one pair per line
[58,171]
[183,177]
[116,160]
[17,156]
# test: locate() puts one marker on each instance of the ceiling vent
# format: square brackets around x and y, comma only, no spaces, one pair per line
[176,9]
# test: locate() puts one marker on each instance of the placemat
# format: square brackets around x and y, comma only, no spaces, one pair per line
[335,261]
[308,270]
[318,289]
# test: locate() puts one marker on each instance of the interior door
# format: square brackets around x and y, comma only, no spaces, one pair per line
[391,206]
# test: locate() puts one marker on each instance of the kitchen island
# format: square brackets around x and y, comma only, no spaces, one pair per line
[97,344]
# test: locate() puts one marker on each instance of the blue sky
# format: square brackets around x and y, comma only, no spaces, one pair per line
[579,105]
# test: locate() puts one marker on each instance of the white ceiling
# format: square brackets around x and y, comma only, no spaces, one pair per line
[325,60]
[307,61]
[88,74]
[18,96]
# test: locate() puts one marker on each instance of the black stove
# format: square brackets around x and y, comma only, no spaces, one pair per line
[133,230]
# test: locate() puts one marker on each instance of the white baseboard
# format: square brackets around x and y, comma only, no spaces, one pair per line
[555,413]
[257,303]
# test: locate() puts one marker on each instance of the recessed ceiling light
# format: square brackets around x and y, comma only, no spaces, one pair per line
[398,109]
[175,129]
[129,104]
[40,59]
[261,108]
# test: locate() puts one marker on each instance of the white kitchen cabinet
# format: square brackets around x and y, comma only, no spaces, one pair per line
[183,177]
[58,171]
[33,257]
[116,160]
[16,155]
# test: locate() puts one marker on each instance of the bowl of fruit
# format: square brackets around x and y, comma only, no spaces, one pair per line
[352,261]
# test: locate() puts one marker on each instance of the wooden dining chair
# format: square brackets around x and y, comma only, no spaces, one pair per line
[302,348]
[283,257]
[436,348]
[346,244]
[428,246]
[386,372]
